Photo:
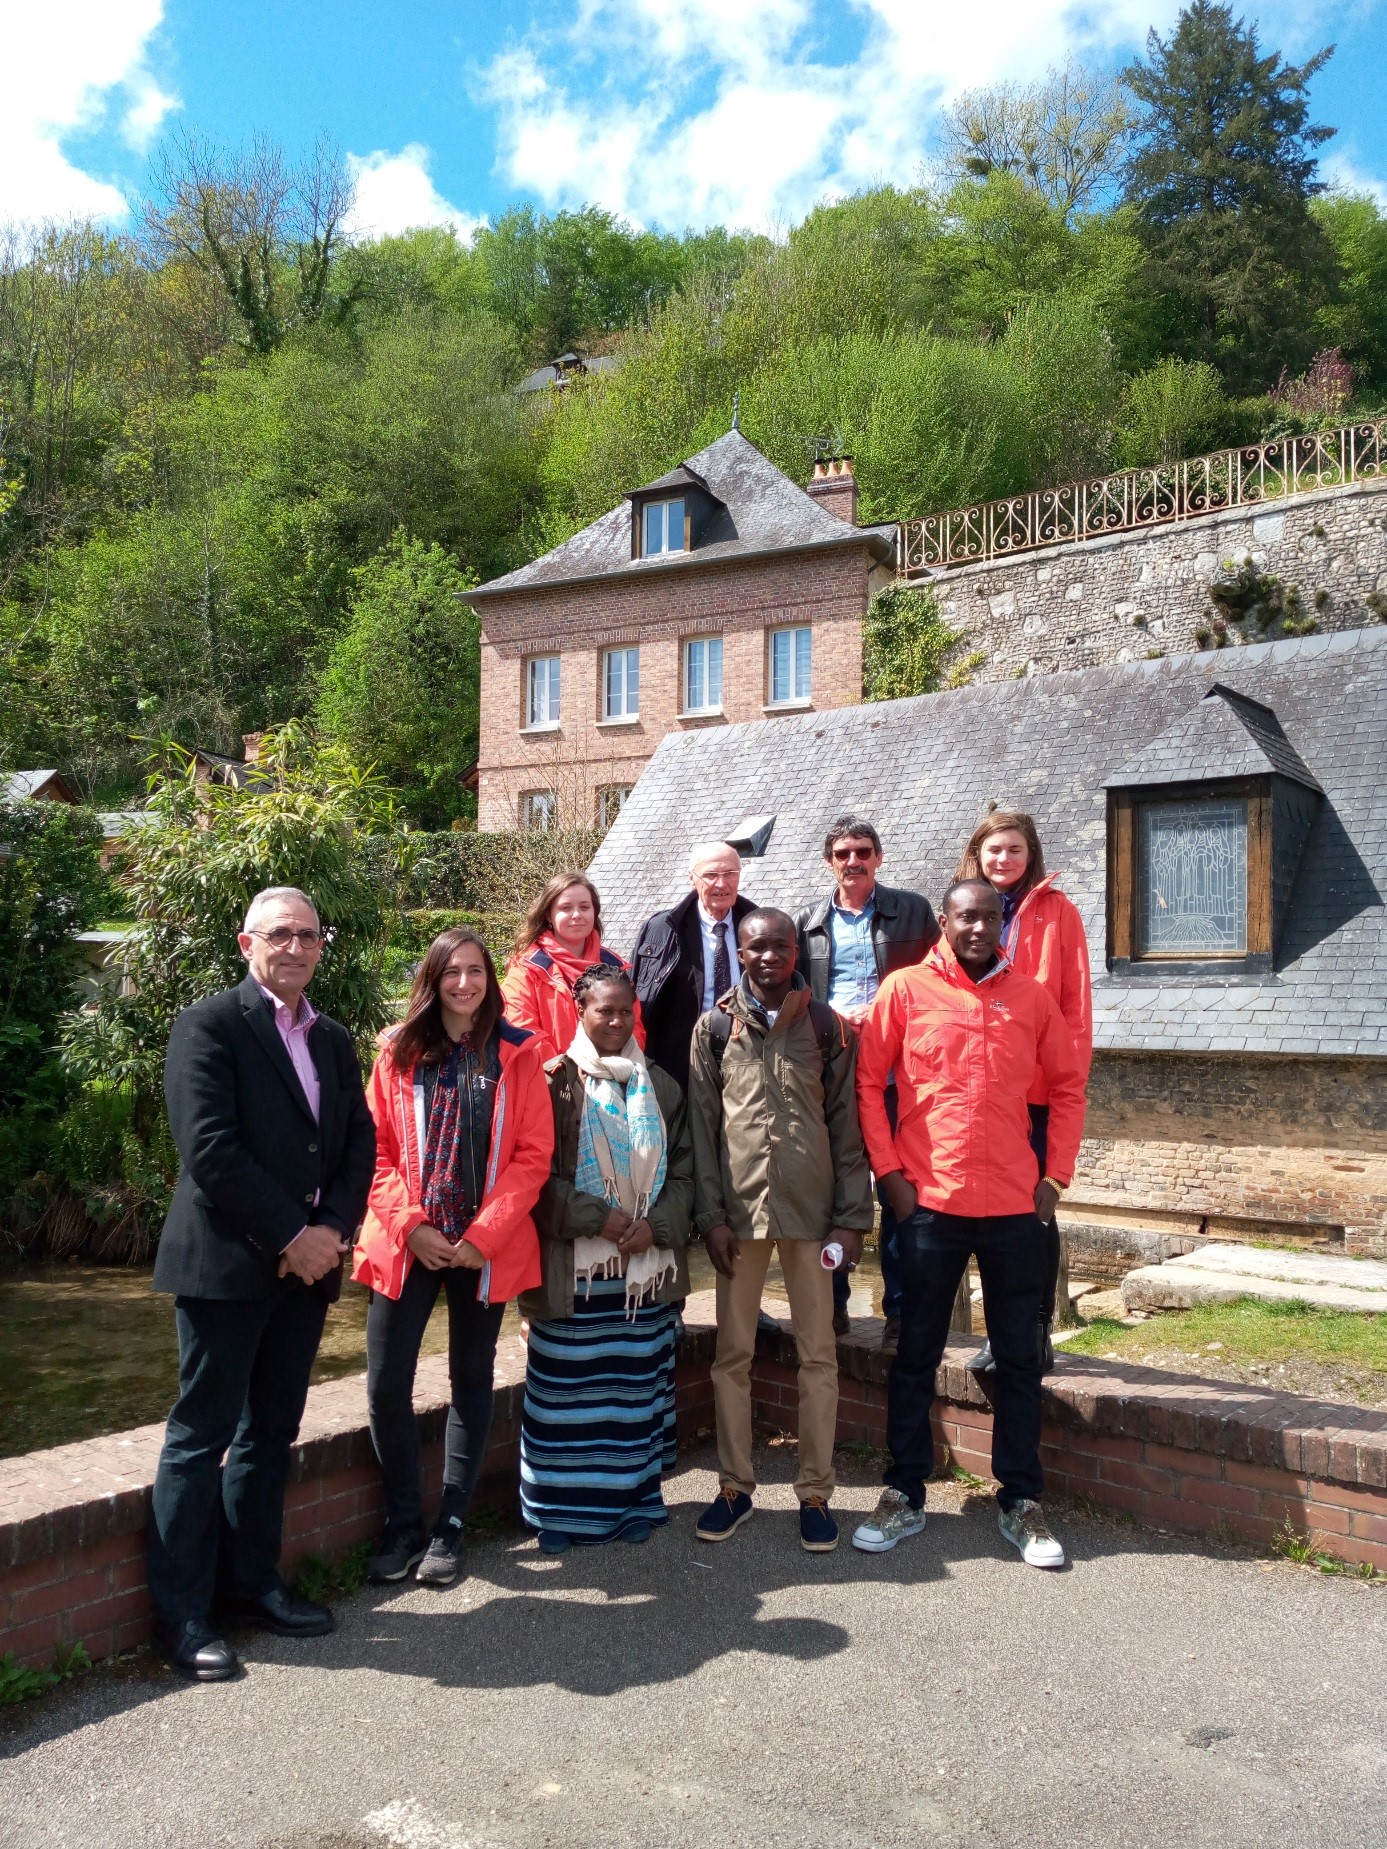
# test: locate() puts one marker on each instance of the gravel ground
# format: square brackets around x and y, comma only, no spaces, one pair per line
[1157,1693]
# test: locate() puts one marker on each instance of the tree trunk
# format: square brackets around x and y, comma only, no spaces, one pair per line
[1066,1316]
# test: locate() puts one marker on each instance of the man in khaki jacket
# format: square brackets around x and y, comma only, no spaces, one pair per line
[778,1162]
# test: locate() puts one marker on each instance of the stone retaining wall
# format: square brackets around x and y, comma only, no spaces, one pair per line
[1132,595]
[1191,1455]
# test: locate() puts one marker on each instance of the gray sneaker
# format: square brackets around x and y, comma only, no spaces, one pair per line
[891,1521]
[1025,1526]
[443,1562]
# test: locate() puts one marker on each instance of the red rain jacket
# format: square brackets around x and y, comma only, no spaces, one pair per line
[522,1146]
[1047,941]
[966,1057]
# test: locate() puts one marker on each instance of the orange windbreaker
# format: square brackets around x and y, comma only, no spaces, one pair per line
[966,1056]
[522,1146]
[1047,941]
[538,998]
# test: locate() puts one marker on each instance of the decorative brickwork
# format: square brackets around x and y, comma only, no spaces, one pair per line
[1194,1455]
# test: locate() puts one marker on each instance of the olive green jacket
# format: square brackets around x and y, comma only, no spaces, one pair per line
[564,1213]
[777,1147]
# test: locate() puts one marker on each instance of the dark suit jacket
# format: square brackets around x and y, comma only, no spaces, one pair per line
[251,1158]
[667,968]
[904,931]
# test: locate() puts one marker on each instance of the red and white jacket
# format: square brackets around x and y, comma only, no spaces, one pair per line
[522,1147]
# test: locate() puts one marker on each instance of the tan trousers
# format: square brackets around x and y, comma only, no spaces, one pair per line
[810,1290]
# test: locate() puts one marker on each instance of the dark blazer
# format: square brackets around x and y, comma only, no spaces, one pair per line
[251,1158]
[904,931]
[667,968]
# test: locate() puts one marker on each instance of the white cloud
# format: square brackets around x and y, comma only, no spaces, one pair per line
[394,193]
[68,64]
[1343,173]
[697,111]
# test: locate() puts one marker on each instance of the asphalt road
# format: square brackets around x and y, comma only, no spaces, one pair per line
[678,1694]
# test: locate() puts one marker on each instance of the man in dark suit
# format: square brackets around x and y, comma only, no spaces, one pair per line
[686,957]
[276,1153]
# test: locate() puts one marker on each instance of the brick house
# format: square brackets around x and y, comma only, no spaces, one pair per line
[720,593]
[1219,819]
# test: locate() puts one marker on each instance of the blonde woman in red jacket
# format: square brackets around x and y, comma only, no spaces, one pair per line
[1042,936]
[464,1138]
[560,938]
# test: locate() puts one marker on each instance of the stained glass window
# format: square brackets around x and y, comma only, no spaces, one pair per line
[1193,879]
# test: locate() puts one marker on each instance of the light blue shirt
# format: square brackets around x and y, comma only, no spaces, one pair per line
[852,967]
[711,927]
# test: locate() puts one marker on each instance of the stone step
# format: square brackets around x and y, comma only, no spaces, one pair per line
[1223,1273]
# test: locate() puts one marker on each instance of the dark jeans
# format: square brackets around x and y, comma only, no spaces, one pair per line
[886,1243]
[394,1331]
[934,1250]
[243,1368]
[1040,1139]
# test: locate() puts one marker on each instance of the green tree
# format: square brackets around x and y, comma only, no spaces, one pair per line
[400,693]
[1356,321]
[1222,183]
[1176,408]
[206,849]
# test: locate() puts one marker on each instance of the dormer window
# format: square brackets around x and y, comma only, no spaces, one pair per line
[1206,828]
[664,525]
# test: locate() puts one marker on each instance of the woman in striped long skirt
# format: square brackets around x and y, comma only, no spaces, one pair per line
[597,1431]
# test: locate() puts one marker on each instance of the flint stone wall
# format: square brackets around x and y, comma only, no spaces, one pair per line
[1133,596]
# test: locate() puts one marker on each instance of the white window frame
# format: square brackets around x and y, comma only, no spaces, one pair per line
[655,516]
[542,714]
[797,640]
[712,647]
[612,798]
[625,709]
[538,810]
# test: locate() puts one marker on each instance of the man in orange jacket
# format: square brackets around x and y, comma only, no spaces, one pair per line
[967,1035]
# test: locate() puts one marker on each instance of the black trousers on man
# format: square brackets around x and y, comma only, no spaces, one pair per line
[216,1527]
[1012,1255]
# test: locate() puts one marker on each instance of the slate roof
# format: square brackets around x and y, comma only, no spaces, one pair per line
[762,511]
[1224,735]
[18,785]
[926,769]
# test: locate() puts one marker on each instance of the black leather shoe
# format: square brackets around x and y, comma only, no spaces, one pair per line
[195,1650]
[283,1612]
[982,1362]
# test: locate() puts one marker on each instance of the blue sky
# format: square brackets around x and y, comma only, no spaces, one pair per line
[672,112]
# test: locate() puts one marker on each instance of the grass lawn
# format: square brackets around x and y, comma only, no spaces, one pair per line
[1331,1353]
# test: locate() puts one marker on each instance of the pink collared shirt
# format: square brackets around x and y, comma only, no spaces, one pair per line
[293,1031]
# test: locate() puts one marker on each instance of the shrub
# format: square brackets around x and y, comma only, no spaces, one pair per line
[907,647]
[1175,409]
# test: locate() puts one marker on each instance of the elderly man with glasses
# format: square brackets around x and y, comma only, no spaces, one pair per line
[848,943]
[276,1152]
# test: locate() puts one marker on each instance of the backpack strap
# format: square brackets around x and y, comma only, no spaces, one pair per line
[828,1031]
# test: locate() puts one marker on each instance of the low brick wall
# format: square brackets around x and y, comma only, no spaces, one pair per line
[1179,1453]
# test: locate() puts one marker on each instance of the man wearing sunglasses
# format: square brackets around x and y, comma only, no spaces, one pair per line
[847,944]
[276,1152]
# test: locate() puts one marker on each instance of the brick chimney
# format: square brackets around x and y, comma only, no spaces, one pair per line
[250,743]
[834,486]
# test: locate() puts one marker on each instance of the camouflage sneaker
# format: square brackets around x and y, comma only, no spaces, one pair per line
[892,1520]
[1025,1526]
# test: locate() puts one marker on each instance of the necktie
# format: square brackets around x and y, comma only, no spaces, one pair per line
[722,963]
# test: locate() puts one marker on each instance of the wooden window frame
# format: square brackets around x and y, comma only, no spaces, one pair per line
[638,508]
[1124,872]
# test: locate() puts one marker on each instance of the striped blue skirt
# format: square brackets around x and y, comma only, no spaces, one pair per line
[597,1428]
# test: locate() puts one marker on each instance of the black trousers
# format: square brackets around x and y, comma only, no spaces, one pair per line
[934,1249]
[1040,1138]
[243,1368]
[394,1331]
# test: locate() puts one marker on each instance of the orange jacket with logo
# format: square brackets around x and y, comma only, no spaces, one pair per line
[522,1145]
[1047,941]
[538,998]
[966,1057]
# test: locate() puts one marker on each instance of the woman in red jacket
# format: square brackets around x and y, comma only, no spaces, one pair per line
[560,938]
[1042,936]
[464,1137]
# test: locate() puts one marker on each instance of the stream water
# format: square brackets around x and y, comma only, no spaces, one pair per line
[90,1349]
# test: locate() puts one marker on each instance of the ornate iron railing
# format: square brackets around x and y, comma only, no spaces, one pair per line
[1138,498]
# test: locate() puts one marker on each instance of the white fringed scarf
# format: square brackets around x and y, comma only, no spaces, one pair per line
[622,1160]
